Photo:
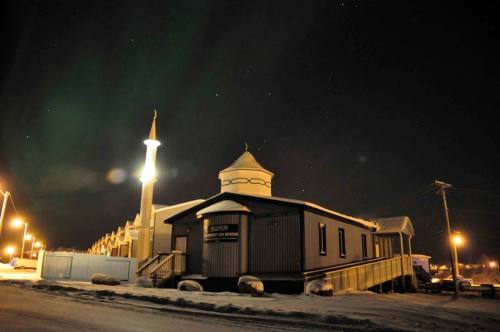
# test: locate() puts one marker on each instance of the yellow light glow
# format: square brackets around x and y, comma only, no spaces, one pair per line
[28,237]
[458,239]
[38,244]
[17,222]
[10,250]
[148,173]
[152,142]
[116,176]
[493,264]
[33,254]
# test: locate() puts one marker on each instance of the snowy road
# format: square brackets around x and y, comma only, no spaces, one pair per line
[24,309]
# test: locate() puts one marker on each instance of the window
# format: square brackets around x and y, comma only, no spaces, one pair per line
[322,239]
[363,246]
[377,249]
[342,242]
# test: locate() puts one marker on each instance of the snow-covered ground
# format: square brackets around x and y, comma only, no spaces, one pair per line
[362,310]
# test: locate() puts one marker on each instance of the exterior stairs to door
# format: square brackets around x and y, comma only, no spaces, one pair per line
[164,267]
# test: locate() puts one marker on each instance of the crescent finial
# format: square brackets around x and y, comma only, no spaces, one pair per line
[246,146]
[154,117]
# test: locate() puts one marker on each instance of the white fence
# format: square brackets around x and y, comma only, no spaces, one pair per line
[81,266]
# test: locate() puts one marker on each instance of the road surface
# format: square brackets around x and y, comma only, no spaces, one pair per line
[23,309]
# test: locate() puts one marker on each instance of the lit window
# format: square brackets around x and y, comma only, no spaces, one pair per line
[342,243]
[322,239]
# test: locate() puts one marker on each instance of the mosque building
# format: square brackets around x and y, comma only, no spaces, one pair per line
[244,229]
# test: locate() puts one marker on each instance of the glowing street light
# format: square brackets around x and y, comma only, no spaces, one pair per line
[4,207]
[10,251]
[493,264]
[458,240]
[18,222]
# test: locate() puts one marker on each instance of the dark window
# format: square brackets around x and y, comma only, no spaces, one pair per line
[363,246]
[322,239]
[342,242]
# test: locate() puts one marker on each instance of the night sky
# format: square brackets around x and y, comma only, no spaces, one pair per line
[354,105]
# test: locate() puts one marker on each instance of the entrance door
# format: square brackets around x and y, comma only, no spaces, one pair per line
[181,243]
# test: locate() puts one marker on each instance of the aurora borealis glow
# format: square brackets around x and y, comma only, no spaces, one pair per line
[355,106]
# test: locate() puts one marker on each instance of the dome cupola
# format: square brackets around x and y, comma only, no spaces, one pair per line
[246,176]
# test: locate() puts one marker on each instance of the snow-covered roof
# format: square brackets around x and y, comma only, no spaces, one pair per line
[395,225]
[161,208]
[246,161]
[366,223]
[420,256]
[223,206]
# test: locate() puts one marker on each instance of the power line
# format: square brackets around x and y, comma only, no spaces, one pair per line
[478,211]
[475,192]
[12,201]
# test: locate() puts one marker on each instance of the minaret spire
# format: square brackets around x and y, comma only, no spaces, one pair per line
[152,132]
[148,179]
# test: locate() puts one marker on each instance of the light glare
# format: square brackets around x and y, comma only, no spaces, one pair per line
[458,239]
[17,222]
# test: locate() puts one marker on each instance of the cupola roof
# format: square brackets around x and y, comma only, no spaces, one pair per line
[246,161]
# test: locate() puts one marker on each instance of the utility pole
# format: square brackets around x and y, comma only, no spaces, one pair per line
[4,207]
[24,238]
[442,187]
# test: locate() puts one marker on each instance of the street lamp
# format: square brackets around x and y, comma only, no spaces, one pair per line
[4,207]
[457,240]
[18,222]
[32,237]
[10,251]
[493,264]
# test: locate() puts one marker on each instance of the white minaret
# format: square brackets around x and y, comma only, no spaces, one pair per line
[148,179]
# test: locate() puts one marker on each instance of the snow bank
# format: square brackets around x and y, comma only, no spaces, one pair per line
[357,311]
[144,282]
[319,287]
[104,279]
[250,285]
[189,286]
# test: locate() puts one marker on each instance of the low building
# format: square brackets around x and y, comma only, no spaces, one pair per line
[246,230]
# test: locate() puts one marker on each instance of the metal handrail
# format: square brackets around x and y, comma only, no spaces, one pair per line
[344,266]
[163,263]
[151,261]
[368,264]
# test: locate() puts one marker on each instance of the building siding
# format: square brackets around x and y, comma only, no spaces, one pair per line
[221,259]
[190,227]
[313,259]
[275,244]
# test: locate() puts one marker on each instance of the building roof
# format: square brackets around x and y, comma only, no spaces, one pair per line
[223,206]
[311,206]
[395,225]
[246,161]
[420,256]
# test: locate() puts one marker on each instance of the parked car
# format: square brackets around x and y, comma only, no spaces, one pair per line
[463,283]
[24,263]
